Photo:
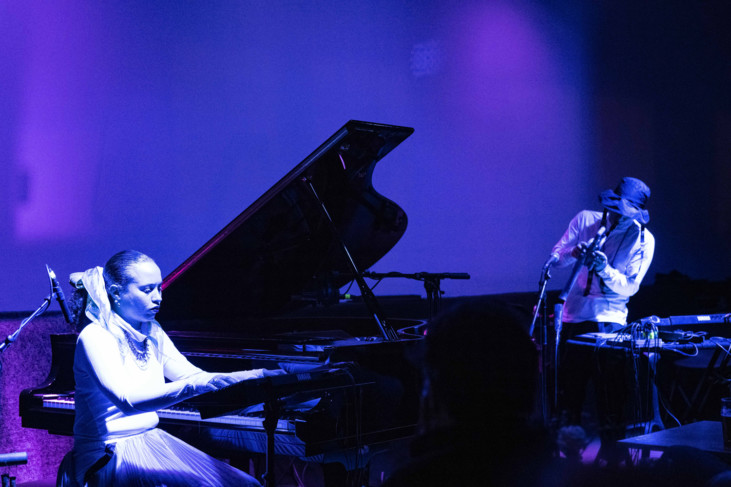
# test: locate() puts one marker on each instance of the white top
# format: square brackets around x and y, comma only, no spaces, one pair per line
[114,396]
[117,391]
[628,261]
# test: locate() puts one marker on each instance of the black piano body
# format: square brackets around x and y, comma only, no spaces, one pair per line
[237,304]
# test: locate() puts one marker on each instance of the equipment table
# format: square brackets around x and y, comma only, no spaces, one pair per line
[704,435]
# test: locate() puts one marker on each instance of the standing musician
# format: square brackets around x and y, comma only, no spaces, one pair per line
[126,368]
[597,302]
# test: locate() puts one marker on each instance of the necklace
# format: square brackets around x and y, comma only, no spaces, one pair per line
[140,352]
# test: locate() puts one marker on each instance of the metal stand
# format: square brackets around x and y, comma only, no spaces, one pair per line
[272,413]
[389,334]
[541,309]
[584,260]
[13,336]
[55,293]
[16,458]
[20,458]
[558,327]
[431,284]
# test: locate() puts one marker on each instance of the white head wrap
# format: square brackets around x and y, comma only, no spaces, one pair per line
[99,310]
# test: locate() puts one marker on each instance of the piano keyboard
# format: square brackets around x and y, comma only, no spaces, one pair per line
[271,358]
[186,415]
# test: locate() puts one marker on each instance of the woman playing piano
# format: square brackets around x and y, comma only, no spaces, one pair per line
[121,362]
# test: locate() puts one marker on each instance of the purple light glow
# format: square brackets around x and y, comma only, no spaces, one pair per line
[57,144]
[511,126]
[151,126]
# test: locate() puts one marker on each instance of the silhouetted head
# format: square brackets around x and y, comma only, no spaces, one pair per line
[482,364]
[628,199]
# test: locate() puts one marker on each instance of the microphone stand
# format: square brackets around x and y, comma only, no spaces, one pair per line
[13,336]
[541,309]
[21,458]
[584,260]
[39,311]
[431,284]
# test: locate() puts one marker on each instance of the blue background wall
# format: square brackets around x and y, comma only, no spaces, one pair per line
[150,125]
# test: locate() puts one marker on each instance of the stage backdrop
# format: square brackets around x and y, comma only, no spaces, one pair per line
[150,125]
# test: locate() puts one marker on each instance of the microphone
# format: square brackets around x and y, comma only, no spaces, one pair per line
[594,243]
[17,458]
[58,293]
[551,260]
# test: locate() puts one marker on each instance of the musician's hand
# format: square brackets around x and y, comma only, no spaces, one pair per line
[246,374]
[254,374]
[272,372]
[579,250]
[599,261]
[207,381]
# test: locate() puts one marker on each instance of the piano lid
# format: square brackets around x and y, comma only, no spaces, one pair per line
[280,253]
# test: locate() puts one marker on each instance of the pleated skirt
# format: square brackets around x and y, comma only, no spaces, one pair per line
[152,459]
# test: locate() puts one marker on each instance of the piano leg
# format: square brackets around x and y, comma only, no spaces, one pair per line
[272,413]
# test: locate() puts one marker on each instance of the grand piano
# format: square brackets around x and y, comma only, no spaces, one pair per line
[251,298]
